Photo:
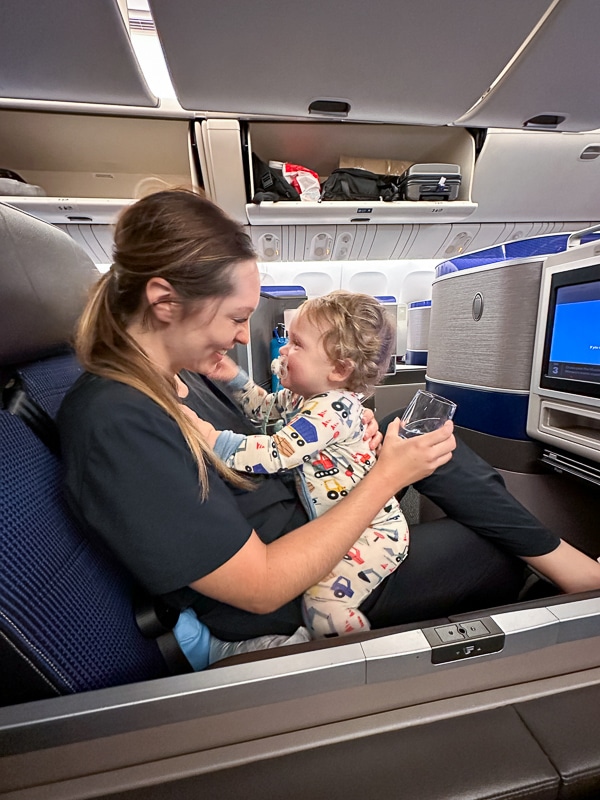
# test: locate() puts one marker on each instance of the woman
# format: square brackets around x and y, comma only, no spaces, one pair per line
[141,478]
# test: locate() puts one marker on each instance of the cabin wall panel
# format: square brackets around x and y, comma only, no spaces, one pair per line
[535,176]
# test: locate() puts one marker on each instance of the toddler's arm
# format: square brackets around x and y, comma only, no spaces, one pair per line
[256,403]
[207,430]
[224,443]
[316,426]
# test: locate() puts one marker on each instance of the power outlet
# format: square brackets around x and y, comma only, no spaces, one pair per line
[460,640]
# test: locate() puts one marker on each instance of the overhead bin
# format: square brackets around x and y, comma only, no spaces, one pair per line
[226,147]
[69,51]
[90,167]
[409,62]
[320,146]
[553,82]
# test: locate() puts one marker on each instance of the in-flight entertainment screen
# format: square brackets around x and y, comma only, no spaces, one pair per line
[572,352]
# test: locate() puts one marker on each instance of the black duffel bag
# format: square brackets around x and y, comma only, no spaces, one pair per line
[360,184]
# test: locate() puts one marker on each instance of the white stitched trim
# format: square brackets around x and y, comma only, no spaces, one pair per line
[38,651]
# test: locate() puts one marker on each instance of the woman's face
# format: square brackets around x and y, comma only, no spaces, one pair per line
[198,341]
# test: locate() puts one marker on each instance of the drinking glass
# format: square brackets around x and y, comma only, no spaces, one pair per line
[426,412]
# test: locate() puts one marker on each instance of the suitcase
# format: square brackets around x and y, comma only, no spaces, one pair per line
[430,182]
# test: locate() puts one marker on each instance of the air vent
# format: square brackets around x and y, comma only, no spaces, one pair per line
[142,25]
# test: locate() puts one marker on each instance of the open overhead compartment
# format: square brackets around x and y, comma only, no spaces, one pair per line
[81,133]
[552,83]
[90,167]
[226,147]
[69,51]
[320,146]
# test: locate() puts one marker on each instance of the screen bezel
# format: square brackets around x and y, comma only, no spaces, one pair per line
[571,277]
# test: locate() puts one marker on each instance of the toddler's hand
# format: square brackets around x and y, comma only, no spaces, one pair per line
[224,371]
[372,433]
[208,431]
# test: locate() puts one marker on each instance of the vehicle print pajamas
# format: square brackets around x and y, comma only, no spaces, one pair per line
[321,439]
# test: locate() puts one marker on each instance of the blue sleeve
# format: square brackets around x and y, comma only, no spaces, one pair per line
[194,639]
[240,380]
[227,443]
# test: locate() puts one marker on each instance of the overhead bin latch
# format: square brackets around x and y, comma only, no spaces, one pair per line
[547,122]
[590,152]
[330,108]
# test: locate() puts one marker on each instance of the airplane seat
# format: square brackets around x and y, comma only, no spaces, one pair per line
[481,347]
[66,618]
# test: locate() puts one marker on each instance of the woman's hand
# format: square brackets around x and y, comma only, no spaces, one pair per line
[372,433]
[224,371]
[405,461]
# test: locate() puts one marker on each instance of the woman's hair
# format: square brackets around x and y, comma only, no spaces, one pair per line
[185,239]
[357,330]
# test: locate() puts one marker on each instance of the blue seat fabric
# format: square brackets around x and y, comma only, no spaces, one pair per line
[65,606]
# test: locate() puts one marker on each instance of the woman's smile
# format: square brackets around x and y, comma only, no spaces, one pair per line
[199,339]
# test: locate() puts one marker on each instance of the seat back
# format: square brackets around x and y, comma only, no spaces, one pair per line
[66,618]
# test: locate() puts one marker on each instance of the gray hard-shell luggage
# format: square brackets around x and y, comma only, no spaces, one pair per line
[430,182]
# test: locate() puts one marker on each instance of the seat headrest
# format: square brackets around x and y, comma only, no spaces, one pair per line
[44,283]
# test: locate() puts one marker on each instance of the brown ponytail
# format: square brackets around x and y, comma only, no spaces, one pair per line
[187,240]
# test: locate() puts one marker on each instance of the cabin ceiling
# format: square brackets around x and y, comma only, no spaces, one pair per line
[427,62]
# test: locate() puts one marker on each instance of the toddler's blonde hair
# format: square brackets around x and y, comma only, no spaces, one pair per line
[356,329]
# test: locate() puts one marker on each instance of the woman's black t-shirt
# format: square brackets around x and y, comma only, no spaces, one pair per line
[133,484]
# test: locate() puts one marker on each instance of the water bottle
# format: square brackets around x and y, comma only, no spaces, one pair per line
[277,342]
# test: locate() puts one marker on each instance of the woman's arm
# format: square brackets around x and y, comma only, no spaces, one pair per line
[260,578]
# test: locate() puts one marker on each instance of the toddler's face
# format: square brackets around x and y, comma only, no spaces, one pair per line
[305,367]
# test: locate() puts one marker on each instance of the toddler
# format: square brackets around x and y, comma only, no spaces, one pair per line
[339,348]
